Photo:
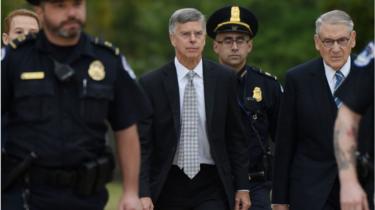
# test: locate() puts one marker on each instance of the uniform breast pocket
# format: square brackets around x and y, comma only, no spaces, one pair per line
[34,100]
[95,102]
[254,108]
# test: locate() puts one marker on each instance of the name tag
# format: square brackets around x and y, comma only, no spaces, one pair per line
[32,75]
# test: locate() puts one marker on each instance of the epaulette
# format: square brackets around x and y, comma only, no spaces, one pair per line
[260,71]
[21,39]
[106,44]
[366,56]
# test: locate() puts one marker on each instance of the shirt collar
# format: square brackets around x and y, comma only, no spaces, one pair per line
[242,72]
[345,69]
[182,70]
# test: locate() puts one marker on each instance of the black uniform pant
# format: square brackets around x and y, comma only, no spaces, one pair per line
[203,192]
[23,197]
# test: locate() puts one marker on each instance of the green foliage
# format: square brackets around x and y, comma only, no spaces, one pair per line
[9,5]
[115,192]
[285,37]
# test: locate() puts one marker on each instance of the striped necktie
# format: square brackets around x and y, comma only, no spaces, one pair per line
[188,159]
[339,79]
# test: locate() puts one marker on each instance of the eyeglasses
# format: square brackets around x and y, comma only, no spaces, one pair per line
[229,42]
[330,43]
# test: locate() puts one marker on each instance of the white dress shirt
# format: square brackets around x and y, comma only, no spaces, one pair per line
[330,73]
[203,147]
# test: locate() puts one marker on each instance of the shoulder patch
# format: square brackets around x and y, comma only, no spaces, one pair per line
[22,39]
[260,71]
[365,57]
[106,44]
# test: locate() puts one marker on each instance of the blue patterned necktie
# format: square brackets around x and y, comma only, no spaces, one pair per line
[188,159]
[339,79]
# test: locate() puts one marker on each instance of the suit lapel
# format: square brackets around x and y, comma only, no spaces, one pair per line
[173,96]
[209,91]
[321,91]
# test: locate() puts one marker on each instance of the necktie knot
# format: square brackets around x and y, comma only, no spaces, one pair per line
[190,76]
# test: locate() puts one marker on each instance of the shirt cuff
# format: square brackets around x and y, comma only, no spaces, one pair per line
[279,204]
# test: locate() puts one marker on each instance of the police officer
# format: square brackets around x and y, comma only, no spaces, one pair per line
[59,87]
[354,136]
[233,28]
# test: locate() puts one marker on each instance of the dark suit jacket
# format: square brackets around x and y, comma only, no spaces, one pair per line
[305,165]
[159,134]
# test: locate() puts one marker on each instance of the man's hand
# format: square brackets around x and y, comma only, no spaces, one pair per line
[147,203]
[280,207]
[352,196]
[129,202]
[242,200]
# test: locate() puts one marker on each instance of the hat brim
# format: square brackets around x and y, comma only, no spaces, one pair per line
[230,28]
[34,2]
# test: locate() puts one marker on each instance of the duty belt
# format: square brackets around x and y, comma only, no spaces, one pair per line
[43,176]
[53,177]
[89,178]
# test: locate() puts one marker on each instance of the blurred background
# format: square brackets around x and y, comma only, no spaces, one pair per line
[285,37]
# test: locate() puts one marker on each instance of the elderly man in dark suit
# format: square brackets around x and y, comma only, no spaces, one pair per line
[305,176]
[194,154]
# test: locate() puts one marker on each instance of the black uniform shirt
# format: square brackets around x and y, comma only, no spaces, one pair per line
[259,99]
[359,94]
[64,122]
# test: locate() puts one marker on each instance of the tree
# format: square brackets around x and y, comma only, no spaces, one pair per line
[285,37]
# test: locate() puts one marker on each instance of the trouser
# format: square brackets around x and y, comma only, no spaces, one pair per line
[368,186]
[333,200]
[260,195]
[203,192]
[24,197]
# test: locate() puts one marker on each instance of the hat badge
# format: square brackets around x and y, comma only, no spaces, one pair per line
[235,14]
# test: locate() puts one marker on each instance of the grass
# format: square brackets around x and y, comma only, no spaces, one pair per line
[115,191]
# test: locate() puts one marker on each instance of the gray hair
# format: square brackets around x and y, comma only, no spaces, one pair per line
[186,15]
[334,17]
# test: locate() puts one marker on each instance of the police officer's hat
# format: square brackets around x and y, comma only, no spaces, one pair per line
[232,19]
[34,2]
